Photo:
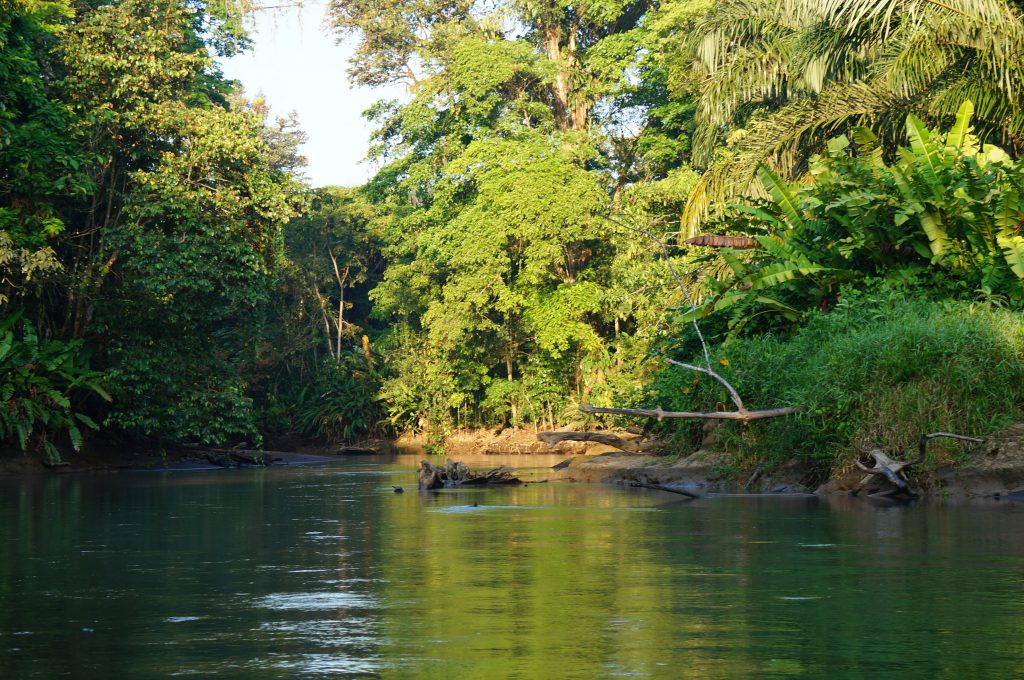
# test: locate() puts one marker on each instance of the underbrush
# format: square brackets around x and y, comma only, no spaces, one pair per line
[338,402]
[877,369]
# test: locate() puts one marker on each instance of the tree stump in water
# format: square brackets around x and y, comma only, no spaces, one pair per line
[454,473]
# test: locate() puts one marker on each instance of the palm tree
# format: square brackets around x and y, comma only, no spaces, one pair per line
[792,73]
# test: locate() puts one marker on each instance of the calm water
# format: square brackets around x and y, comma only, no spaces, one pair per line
[310,572]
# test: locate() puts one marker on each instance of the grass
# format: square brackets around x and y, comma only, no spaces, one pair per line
[877,371]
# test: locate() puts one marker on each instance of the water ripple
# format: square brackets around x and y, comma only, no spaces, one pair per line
[317,601]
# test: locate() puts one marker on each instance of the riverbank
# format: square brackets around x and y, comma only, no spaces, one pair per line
[100,456]
[994,469]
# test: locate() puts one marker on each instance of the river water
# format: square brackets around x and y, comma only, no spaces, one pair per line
[325,572]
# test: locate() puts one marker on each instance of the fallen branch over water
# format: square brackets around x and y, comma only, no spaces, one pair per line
[669,489]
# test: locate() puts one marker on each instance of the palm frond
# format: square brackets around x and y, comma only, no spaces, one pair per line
[776,141]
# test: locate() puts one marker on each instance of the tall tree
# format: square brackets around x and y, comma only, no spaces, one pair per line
[530,122]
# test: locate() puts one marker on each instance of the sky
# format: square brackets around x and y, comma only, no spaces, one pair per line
[298,67]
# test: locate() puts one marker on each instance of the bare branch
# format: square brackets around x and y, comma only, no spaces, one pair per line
[922,443]
[707,371]
[661,414]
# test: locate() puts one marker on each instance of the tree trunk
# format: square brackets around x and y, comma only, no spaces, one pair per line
[511,401]
[571,112]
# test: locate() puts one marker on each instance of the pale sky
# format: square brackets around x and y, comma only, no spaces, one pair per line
[299,68]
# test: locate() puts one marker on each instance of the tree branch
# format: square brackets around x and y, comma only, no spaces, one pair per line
[661,414]
[707,371]
[741,413]
[554,438]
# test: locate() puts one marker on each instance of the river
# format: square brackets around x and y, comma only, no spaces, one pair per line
[325,572]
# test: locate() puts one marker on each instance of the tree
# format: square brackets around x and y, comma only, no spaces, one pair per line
[780,77]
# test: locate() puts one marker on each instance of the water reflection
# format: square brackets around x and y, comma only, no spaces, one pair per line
[324,572]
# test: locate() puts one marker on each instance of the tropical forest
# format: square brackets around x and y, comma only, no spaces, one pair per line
[755,265]
[821,200]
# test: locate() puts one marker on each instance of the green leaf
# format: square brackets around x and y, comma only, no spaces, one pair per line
[87,421]
[958,134]
[759,213]
[75,435]
[781,272]
[1013,250]
[6,344]
[781,194]
[925,157]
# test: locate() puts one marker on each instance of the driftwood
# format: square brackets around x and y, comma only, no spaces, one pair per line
[454,473]
[552,439]
[893,470]
[741,413]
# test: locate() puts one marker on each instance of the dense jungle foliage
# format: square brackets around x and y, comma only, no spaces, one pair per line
[546,226]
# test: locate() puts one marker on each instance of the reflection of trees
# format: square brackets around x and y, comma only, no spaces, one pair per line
[585,582]
[723,588]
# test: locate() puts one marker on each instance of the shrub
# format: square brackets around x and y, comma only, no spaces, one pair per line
[38,382]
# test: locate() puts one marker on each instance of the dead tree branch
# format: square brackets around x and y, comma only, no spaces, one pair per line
[741,413]
[707,371]
[669,489]
[661,414]
[893,470]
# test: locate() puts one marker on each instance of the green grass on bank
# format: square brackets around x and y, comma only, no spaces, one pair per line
[877,369]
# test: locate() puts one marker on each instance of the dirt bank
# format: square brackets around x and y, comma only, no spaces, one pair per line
[101,456]
[995,469]
[505,442]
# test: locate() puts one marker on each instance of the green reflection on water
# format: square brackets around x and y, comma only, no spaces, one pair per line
[323,572]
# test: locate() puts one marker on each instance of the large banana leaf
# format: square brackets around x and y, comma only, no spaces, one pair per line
[931,222]
[959,140]
[781,195]
[1013,251]
[774,274]
[925,158]
[784,251]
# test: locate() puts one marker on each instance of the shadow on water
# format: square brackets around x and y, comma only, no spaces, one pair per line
[325,572]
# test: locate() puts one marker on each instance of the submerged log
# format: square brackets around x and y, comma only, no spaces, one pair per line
[454,473]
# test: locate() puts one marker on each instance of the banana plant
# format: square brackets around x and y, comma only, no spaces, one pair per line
[946,214]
